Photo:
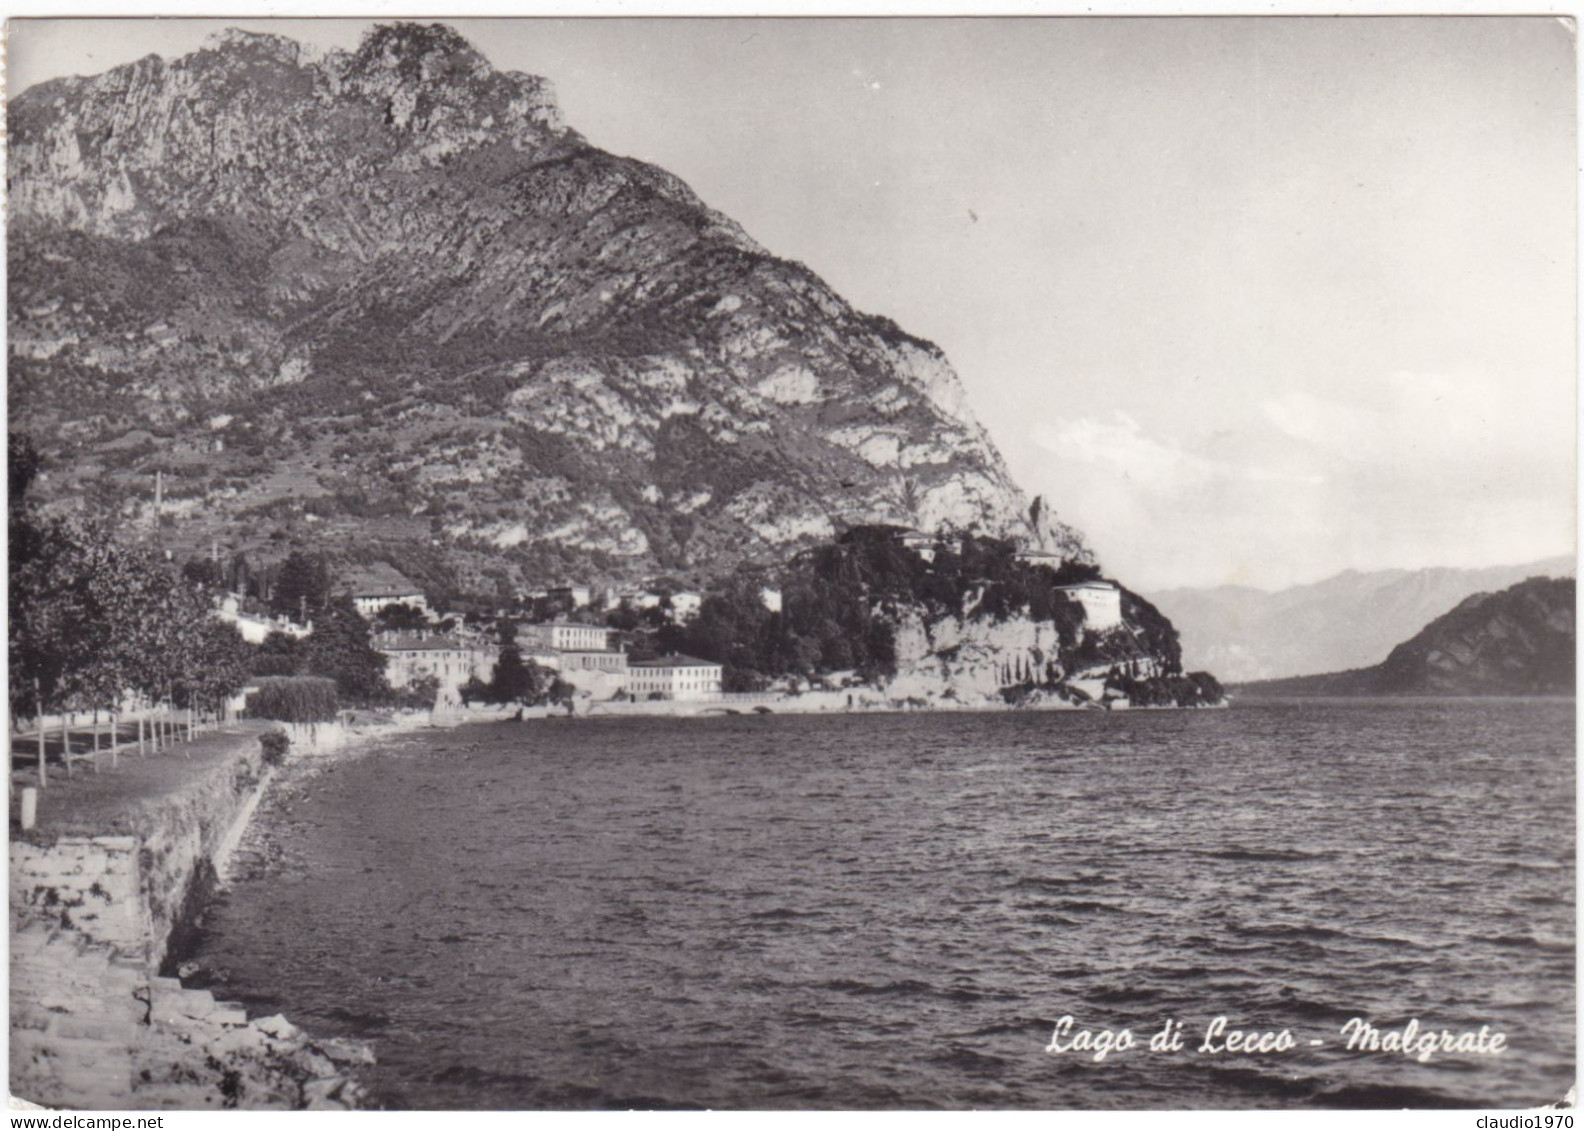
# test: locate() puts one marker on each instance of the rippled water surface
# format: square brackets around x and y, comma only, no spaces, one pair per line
[891,911]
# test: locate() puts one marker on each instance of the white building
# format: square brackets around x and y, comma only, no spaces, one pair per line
[1040,557]
[451,660]
[685,605]
[592,661]
[568,636]
[374,587]
[579,595]
[770,598]
[673,677]
[1101,601]
[920,543]
[254,629]
[539,654]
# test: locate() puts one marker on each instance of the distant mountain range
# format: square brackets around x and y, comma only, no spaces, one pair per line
[1344,622]
[1517,642]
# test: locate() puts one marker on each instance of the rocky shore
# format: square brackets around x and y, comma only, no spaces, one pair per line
[900,696]
[102,895]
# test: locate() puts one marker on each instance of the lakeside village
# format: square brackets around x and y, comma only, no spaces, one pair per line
[119,637]
[583,648]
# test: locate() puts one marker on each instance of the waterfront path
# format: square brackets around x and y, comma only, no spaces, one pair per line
[114,800]
[67,745]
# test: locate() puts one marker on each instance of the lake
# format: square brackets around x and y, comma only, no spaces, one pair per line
[884,911]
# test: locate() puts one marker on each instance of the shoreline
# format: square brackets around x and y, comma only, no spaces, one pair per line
[102,910]
[802,705]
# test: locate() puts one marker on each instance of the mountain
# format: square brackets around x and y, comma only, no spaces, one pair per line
[1346,621]
[386,303]
[1520,641]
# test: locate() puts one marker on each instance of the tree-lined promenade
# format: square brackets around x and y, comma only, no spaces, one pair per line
[96,626]
[117,634]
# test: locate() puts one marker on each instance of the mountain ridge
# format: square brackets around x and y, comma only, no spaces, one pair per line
[387,302]
[1519,641]
[1342,622]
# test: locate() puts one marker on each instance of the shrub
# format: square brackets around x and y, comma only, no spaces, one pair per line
[419,695]
[1196,689]
[274,743]
[294,699]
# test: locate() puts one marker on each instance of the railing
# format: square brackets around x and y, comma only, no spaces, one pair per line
[68,742]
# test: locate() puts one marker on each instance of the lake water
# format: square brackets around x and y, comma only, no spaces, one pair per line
[893,910]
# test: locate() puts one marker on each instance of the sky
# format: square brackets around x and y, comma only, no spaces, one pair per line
[1250,301]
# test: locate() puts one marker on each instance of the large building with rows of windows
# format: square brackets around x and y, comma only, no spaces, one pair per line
[673,676]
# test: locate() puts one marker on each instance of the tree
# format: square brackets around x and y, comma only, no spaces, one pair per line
[204,573]
[239,575]
[302,587]
[279,654]
[514,679]
[91,620]
[399,617]
[559,690]
[39,640]
[737,679]
[339,648]
[50,628]
[209,657]
[420,693]
[510,682]
[294,699]
[22,466]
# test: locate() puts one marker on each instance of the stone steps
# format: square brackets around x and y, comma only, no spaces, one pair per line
[94,1026]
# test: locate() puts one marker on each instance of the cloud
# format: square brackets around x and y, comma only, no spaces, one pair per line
[1417,468]
[1421,424]
[1118,445]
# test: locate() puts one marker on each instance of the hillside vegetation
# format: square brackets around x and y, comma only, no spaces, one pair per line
[844,602]
[1520,641]
[387,304]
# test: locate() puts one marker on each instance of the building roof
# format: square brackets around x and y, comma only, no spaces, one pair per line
[570,624]
[379,580]
[673,660]
[1108,586]
[426,644]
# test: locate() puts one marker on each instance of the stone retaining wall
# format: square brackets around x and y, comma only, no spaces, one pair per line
[93,918]
[82,885]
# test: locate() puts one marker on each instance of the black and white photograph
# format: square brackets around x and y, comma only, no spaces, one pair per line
[572,563]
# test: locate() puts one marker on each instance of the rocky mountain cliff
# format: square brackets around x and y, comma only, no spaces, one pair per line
[389,304]
[1520,641]
[1346,621]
